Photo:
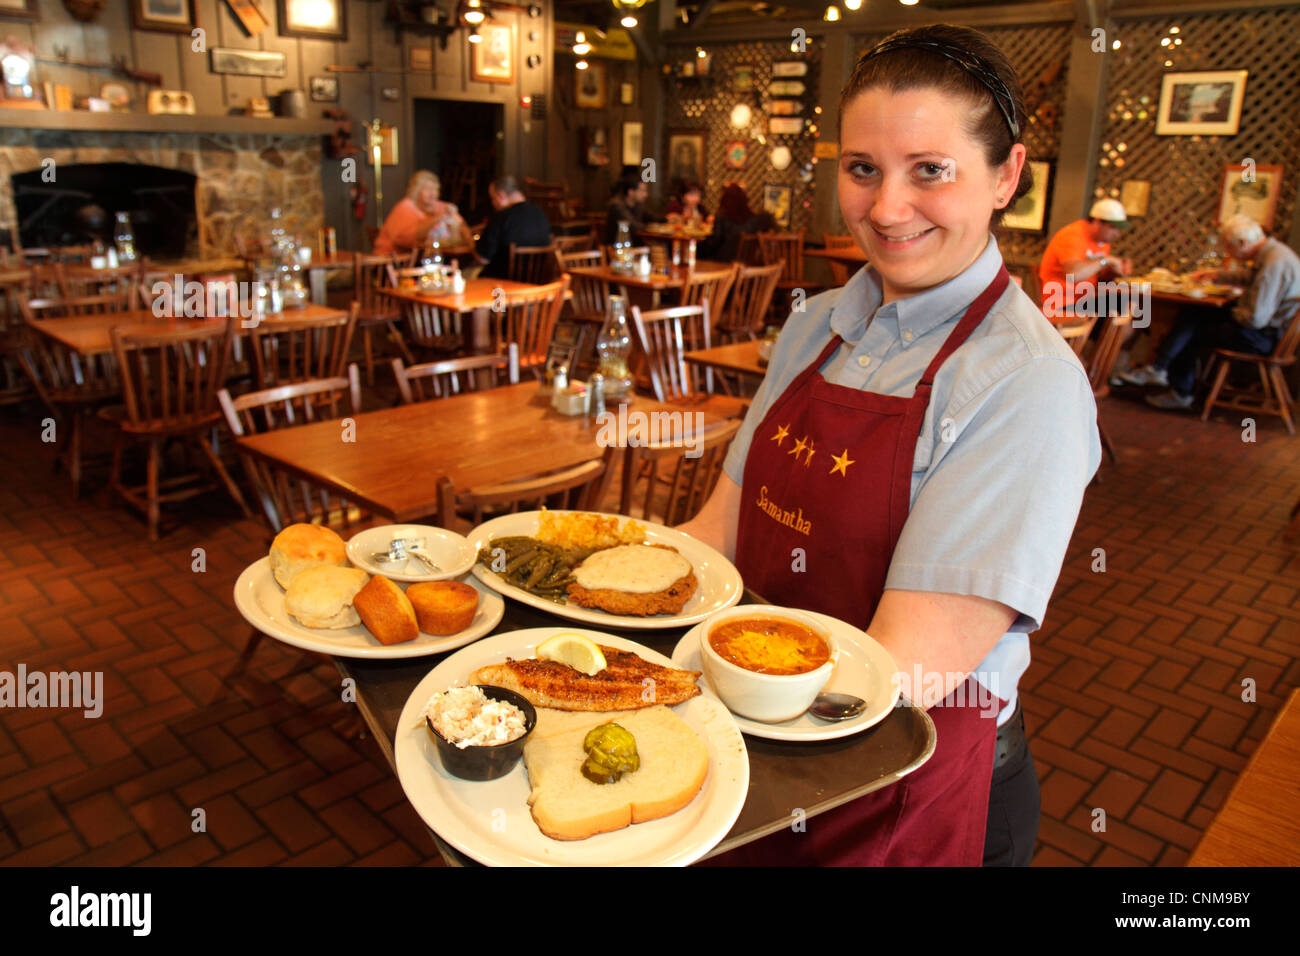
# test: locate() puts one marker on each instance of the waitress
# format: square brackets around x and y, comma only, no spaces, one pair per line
[937,435]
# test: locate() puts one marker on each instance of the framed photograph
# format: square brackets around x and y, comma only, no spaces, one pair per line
[248,63]
[314,19]
[742,78]
[1250,191]
[1206,103]
[324,89]
[589,87]
[422,58]
[493,60]
[790,68]
[626,94]
[1030,213]
[249,15]
[20,9]
[737,154]
[686,155]
[633,144]
[387,147]
[777,200]
[595,146]
[166,16]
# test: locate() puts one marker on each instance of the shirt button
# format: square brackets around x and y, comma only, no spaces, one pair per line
[907,336]
[864,360]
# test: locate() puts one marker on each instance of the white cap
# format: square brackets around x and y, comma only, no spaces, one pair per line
[1111,211]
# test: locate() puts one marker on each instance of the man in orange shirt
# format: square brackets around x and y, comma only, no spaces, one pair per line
[1078,256]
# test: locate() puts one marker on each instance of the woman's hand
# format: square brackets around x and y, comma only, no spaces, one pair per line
[930,633]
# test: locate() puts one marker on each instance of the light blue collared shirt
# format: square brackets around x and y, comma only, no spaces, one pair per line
[1008,444]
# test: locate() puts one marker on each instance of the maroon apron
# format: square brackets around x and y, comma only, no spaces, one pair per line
[829,472]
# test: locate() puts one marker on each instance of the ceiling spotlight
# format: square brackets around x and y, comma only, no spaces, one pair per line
[581,65]
[474,36]
[699,51]
[832,13]
[853,4]
[628,21]
[580,44]
[473,16]
[908,3]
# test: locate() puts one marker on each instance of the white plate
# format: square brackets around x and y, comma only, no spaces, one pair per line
[489,820]
[864,669]
[447,549]
[719,582]
[260,599]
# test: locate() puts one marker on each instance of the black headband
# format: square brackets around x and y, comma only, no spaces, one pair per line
[968,61]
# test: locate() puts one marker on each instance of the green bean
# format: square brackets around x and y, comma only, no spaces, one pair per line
[540,570]
[521,559]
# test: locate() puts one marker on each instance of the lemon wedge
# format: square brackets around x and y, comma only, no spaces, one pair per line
[578,652]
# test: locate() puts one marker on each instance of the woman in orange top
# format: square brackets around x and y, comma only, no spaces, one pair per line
[421,217]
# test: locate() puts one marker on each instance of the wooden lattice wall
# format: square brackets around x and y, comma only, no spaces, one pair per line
[1185,171]
[706,103]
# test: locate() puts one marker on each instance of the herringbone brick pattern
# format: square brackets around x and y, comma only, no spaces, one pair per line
[1134,699]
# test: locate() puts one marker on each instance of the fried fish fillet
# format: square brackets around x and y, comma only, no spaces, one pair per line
[628,682]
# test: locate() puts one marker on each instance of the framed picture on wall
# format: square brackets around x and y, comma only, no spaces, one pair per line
[19,9]
[737,154]
[633,144]
[1029,214]
[686,156]
[167,16]
[777,200]
[1251,191]
[314,19]
[324,89]
[1207,103]
[493,59]
[248,63]
[589,87]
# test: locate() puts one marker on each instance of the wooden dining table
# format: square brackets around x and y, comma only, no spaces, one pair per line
[738,358]
[319,269]
[92,334]
[645,291]
[474,439]
[477,301]
[784,776]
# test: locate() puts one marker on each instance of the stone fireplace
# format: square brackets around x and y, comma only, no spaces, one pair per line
[238,177]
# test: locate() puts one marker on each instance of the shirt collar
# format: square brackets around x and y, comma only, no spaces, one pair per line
[859,303]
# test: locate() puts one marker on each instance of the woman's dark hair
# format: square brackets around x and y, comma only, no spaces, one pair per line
[961,62]
[733,205]
[626,184]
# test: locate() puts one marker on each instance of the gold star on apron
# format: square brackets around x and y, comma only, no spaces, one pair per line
[808,459]
[797,450]
[842,463]
[781,432]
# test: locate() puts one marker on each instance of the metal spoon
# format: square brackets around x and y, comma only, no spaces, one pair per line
[837,706]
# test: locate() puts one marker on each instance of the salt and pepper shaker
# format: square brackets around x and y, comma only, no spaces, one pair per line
[690,254]
[596,394]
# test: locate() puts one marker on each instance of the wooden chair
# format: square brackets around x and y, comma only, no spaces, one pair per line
[71,385]
[432,380]
[77,280]
[677,478]
[300,350]
[169,389]
[787,249]
[1275,398]
[750,250]
[709,286]
[580,488]
[578,243]
[749,304]
[1076,333]
[588,307]
[1100,365]
[536,265]
[666,335]
[585,257]
[370,273]
[529,322]
[285,498]
[841,272]
[15,288]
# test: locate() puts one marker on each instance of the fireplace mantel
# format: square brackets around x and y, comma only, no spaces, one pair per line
[160,123]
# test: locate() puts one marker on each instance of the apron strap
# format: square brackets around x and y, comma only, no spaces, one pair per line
[973,317]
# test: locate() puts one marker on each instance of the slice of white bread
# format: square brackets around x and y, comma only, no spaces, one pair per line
[568,806]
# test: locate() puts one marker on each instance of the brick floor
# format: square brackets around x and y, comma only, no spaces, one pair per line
[1134,700]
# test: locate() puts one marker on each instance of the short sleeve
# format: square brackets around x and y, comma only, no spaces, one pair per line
[996,507]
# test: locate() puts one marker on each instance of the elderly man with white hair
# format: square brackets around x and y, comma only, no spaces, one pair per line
[1271,299]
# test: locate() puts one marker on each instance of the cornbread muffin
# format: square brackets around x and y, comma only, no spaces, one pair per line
[302,546]
[443,607]
[386,612]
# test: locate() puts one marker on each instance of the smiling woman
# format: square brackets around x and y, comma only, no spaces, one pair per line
[933,394]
